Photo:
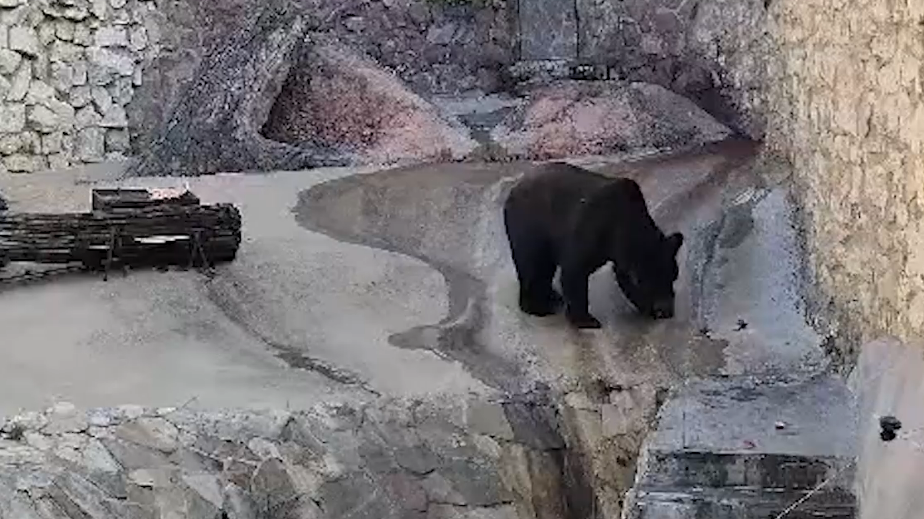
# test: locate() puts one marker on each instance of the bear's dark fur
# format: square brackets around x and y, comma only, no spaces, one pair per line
[569,217]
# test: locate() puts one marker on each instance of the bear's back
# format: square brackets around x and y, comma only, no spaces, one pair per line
[551,196]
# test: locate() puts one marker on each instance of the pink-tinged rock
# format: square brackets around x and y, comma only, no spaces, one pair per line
[600,118]
[340,98]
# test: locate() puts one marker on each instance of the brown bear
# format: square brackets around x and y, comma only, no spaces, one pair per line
[565,216]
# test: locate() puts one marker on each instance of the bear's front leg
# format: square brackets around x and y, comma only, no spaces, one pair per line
[574,289]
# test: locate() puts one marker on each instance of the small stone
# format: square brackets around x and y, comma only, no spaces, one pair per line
[65,52]
[20,84]
[263,448]
[29,421]
[9,60]
[62,76]
[118,141]
[21,163]
[121,91]
[42,119]
[68,10]
[489,419]
[24,40]
[64,112]
[101,98]
[82,35]
[155,433]
[138,77]
[31,142]
[9,4]
[441,34]
[64,418]
[40,92]
[440,489]
[79,97]
[46,33]
[64,30]
[97,458]
[114,117]
[153,478]
[57,162]
[138,38]
[37,440]
[111,37]
[12,117]
[80,72]
[93,431]
[10,143]
[99,75]
[52,143]
[87,117]
[102,417]
[207,486]
[121,18]
[117,4]
[99,8]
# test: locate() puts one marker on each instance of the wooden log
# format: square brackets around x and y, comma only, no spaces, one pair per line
[117,199]
[146,236]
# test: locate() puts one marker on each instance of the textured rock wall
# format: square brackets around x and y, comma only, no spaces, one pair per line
[846,108]
[702,49]
[68,69]
[510,458]
[434,47]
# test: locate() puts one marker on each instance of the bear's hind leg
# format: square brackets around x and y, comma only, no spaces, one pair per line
[535,267]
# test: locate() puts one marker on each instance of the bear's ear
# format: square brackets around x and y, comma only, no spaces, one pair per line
[674,241]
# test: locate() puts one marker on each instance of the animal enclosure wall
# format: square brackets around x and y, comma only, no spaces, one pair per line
[845,104]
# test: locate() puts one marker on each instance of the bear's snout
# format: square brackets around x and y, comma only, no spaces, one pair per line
[663,310]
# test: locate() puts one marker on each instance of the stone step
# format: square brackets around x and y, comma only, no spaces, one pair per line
[671,469]
[740,503]
[746,447]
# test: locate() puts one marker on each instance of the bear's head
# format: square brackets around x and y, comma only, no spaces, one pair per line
[648,282]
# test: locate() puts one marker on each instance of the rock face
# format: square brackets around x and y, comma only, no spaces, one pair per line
[495,460]
[67,72]
[337,97]
[596,118]
[434,47]
[216,124]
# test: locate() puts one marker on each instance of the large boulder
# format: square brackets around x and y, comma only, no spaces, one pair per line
[215,126]
[338,97]
[603,117]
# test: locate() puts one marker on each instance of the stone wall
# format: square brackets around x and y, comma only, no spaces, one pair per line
[68,69]
[845,107]
[515,457]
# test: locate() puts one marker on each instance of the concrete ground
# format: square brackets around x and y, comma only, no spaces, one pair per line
[353,283]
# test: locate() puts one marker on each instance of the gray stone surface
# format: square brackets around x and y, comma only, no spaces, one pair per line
[176,463]
[738,414]
[749,446]
[548,29]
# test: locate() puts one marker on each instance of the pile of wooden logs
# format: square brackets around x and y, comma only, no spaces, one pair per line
[126,228]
